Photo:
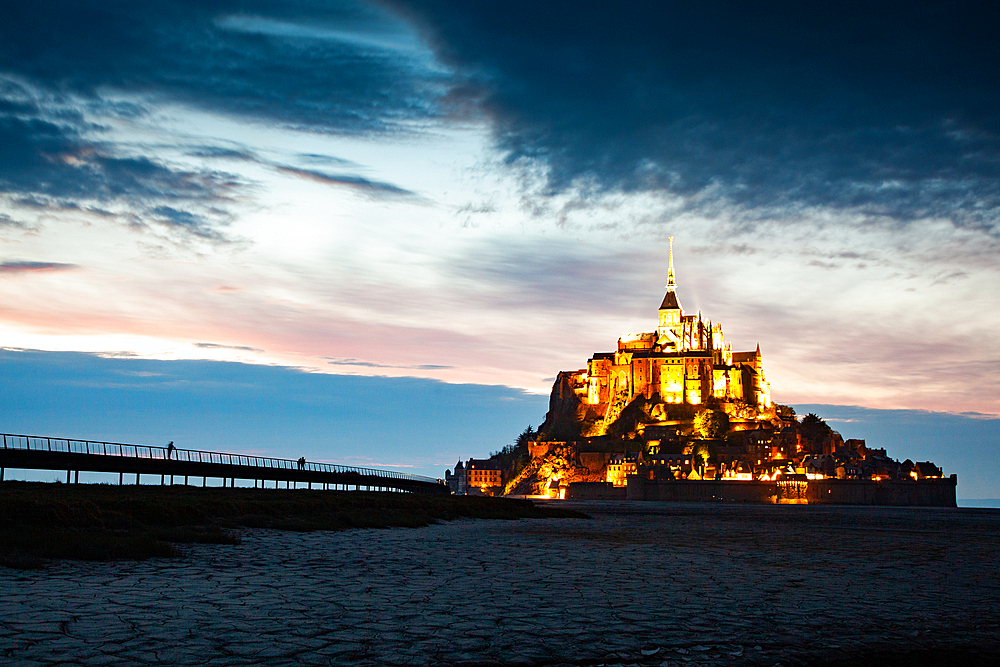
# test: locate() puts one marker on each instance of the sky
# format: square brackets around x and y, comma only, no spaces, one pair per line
[460,200]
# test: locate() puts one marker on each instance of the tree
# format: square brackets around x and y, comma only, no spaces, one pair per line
[702,451]
[814,429]
[526,436]
[711,423]
[785,411]
[514,457]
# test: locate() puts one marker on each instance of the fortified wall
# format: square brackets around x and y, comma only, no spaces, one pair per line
[917,493]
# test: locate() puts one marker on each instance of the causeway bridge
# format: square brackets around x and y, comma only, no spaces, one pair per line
[45,453]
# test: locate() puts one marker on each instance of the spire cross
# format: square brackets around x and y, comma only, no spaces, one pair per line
[671,285]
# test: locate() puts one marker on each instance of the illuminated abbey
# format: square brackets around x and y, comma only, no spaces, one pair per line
[678,405]
[686,361]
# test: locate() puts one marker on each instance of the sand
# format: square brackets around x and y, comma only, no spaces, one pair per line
[640,583]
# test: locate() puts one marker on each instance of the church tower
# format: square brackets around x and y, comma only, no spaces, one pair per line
[668,330]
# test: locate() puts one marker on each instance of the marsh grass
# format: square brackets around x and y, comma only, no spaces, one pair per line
[104,522]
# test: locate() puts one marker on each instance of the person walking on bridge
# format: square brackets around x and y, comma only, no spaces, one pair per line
[302,463]
[170,449]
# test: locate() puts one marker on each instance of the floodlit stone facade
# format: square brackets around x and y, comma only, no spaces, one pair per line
[686,361]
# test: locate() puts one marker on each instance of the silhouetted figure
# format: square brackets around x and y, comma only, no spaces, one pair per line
[170,449]
[302,463]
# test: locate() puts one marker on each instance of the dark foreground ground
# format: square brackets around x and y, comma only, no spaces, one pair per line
[41,521]
[646,584]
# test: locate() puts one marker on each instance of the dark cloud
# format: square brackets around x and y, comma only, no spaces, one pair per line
[222,153]
[330,66]
[891,107]
[371,188]
[186,221]
[34,267]
[48,165]
[7,221]
[343,67]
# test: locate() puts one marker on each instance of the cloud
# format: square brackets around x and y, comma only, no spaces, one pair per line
[324,66]
[74,74]
[186,221]
[34,267]
[887,108]
[369,364]
[316,158]
[218,346]
[7,221]
[222,152]
[52,162]
[377,189]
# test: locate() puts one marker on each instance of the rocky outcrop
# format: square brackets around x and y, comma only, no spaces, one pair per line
[562,464]
[568,417]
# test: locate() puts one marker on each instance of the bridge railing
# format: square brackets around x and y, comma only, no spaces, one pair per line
[47,444]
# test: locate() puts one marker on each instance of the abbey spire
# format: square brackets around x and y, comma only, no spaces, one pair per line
[670,301]
[671,285]
[669,329]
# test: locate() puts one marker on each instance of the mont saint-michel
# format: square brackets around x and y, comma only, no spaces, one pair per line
[678,404]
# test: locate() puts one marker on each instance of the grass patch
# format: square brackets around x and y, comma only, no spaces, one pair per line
[105,522]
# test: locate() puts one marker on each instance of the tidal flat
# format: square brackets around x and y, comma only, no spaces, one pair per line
[637,583]
[40,521]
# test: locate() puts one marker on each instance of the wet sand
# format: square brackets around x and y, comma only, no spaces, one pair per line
[640,583]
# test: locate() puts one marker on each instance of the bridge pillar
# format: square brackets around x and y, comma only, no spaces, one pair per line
[137,479]
[121,478]
[77,477]
[185,480]
[1,474]
[204,481]
[163,478]
[310,486]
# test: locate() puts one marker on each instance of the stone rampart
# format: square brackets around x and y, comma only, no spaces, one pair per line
[684,490]
[921,493]
[595,491]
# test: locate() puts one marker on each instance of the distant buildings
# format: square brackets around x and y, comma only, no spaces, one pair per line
[475,477]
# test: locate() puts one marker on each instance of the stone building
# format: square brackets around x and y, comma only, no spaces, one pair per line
[620,466]
[685,362]
[475,477]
